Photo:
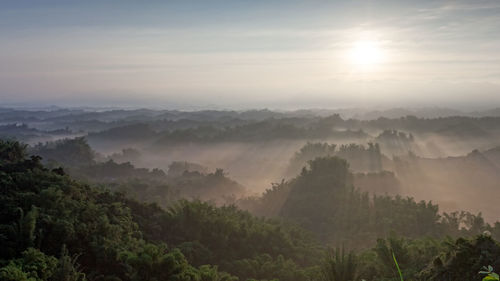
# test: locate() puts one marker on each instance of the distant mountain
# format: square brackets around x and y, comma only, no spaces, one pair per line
[495,112]
[402,112]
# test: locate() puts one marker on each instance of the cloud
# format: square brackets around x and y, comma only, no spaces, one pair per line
[248,51]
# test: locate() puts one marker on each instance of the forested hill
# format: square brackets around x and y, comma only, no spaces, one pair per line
[56,228]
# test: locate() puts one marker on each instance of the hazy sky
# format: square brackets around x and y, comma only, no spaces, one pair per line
[278,54]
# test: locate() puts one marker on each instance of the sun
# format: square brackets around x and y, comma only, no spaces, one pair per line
[366,52]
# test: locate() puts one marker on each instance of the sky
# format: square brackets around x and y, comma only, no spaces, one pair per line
[250,54]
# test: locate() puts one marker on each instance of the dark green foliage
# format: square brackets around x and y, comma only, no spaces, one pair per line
[313,195]
[383,182]
[78,160]
[35,265]
[270,203]
[43,212]
[177,168]
[412,256]
[490,274]
[125,133]
[210,186]
[67,152]
[361,158]
[236,241]
[266,130]
[339,266]
[25,228]
[32,264]
[464,258]
[112,172]
[155,186]
[323,200]
[11,151]
[309,152]
[104,236]
[54,228]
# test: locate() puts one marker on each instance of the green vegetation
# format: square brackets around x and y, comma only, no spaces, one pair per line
[323,200]
[68,152]
[361,158]
[65,227]
[397,267]
[490,275]
[53,227]
[80,161]
[339,266]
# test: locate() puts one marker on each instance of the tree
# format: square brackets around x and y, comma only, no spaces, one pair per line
[339,266]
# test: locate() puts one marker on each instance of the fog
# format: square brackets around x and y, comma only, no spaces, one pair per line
[451,163]
[233,156]
[337,177]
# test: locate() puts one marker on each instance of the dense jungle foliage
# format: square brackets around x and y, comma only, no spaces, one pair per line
[56,228]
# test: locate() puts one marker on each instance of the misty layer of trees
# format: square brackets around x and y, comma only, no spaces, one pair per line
[365,160]
[161,128]
[323,200]
[360,214]
[194,181]
[68,212]
[267,130]
[54,227]
[361,158]
[399,143]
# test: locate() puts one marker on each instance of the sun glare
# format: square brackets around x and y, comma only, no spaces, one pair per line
[366,52]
